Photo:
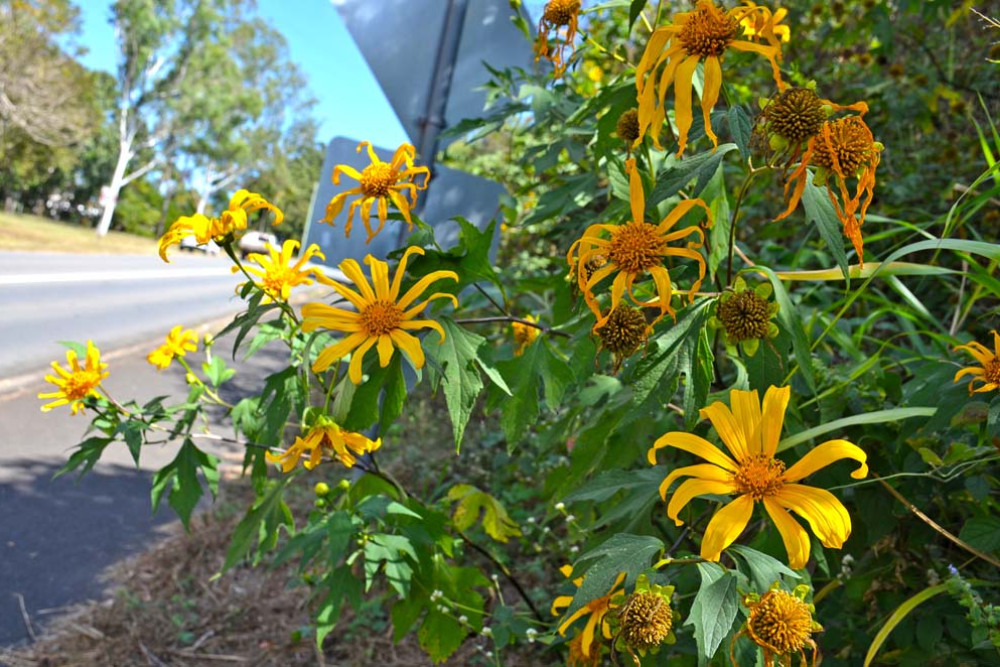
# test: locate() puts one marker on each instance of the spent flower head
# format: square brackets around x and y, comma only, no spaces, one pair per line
[561,18]
[746,315]
[781,624]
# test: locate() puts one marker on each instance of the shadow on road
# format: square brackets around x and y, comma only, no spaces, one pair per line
[59,535]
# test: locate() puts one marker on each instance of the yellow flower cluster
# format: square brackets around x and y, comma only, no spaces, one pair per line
[179,342]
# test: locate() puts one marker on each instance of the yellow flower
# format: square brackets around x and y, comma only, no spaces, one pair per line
[633,249]
[751,435]
[277,273]
[524,334]
[702,35]
[781,623]
[325,437]
[595,609]
[380,182]
[558,16]
[383,317]
[76,383]
[989,372]
[846,149]
[180,341]
[231,221]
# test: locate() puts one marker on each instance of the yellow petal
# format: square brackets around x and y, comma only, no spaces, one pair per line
[710,94]
[825,454]
[746,413]
[792,534]
[410,345]
[695,445]
[354,369]
[385,350]
[773,418]
[421,286]
[691,489]
[637,197]
[336,351]
[352,270]
[729,429]
[705,471]
[561,602]
[726,526]
[826,515]
[682,101]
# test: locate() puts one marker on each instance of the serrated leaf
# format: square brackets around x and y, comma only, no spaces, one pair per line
[677,173]
[819,209]
[624,552]
[764,569]
[180,476]
[390,551]
[982,532]
[714,608]
[440,635]
[740,127]
[471,501]
[340,585]
[538,366]
[457,355]
[261,521]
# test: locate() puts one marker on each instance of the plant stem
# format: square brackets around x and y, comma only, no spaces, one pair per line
[510,318]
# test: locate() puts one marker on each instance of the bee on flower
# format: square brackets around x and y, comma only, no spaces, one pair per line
[562,19]
[379,184]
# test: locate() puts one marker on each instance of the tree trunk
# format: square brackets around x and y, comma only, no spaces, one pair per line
[124,156]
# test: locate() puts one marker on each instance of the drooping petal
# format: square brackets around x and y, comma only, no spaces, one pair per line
[792,534]
[726,526]
[336,351]
[705,471]
[637,198]
[825,454]
[410,345]
[826,515]
[352,270]
[691,489]
[710,94]
[695,445]
[385,350]
[354,369]
[683,115]
[421,285]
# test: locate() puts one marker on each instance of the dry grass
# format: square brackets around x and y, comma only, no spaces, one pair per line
[29,233]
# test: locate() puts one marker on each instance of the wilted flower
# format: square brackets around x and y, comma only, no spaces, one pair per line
[562,18]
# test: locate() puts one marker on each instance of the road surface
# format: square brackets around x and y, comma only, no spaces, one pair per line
[115,300]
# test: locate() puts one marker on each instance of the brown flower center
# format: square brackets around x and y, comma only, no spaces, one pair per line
[645,620]
[560,12]
[795,114]
[625,330]
[628,126]
[780,622]
[377,178]
[992,371]
[708,32]
[760,476]
[636,246]
[81,383]
[850,141]
[380,317]
[744,316]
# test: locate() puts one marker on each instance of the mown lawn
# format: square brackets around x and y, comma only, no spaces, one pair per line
[29,233]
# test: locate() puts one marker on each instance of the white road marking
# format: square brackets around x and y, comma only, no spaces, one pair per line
[98,276]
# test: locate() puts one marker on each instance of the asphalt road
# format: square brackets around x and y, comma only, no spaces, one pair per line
[115,300]
[57,536]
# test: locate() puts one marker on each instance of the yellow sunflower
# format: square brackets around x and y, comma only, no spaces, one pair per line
[381,182]
[559,16]
[383,317]
[277,273]
[843,149]
[76,383]
[324,438]
[179,342]
[751,435]
[702,35]
[634,249]
[524,334]
[988,373]
[231,221]
[596,610]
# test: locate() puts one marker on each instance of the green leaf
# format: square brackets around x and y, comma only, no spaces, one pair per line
[634,10]
[471,501]
[537,367]
[607,484]
[339,584]
[132,431]
[898,615]
[262,521]
[764,570]
[679,172]
[982,532]
[392,552]
[79,348]
[876,417]
[819,209]
[216,370]
[791,322]
[714,608]
[631,554]
[87,454]
[440,635]
[716,196]
[181,476]
[457,355]
[661,361]
[741,129]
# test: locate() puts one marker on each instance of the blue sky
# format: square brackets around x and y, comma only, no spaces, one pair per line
[351,104]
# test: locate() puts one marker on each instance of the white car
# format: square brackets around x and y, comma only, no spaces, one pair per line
[190,243]
[257,242]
